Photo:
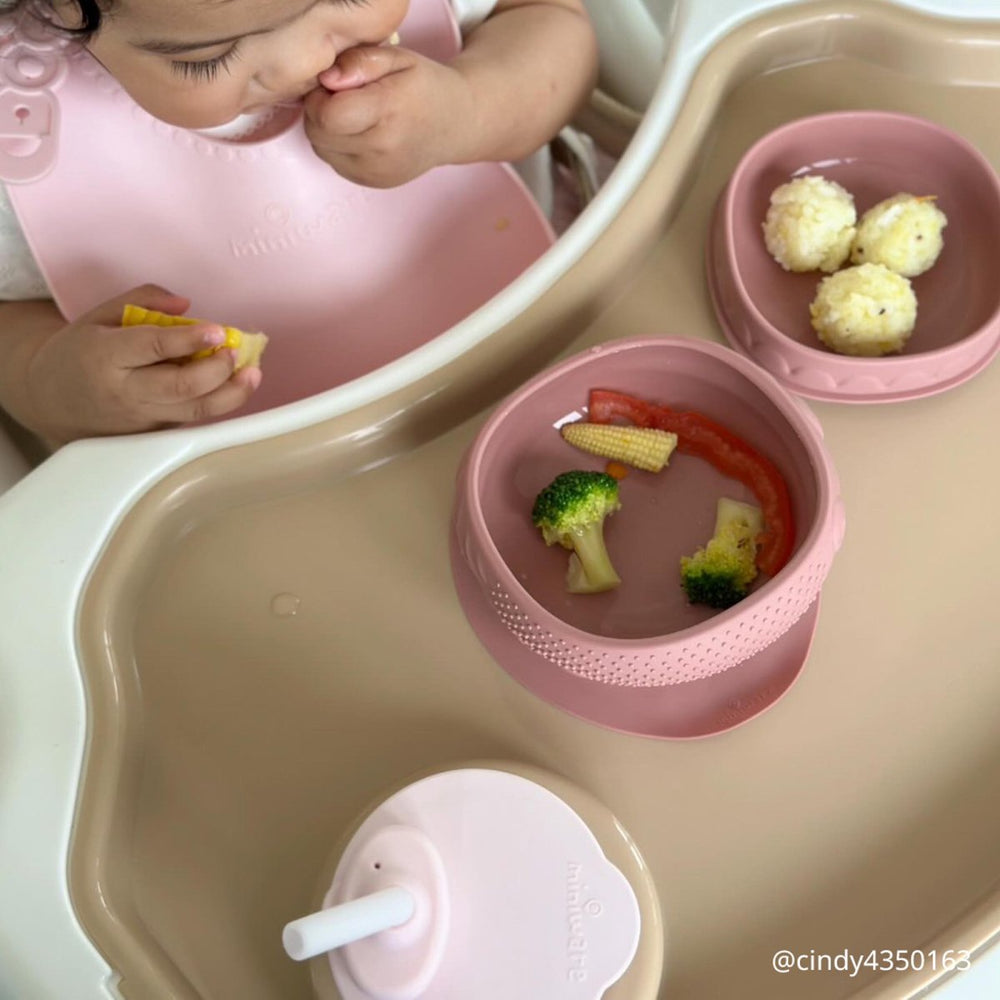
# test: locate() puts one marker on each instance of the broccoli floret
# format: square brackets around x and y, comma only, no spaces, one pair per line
[570,511]
[720,574]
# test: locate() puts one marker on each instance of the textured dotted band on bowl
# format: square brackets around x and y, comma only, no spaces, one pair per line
[694,660]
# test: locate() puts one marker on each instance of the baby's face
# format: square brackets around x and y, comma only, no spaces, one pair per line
[200,63]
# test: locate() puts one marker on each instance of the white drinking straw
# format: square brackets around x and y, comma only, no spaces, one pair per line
[338,925]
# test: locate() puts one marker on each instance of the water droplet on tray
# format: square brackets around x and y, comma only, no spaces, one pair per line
[285,605]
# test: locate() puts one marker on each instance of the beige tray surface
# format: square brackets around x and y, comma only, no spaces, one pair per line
[272,639]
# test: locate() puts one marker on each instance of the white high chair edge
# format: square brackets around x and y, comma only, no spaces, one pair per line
[47,555]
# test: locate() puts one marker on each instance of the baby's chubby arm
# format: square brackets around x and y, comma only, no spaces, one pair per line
[385,114]
[93,377]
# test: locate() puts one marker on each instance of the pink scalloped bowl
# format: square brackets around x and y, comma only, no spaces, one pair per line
[764,310]
[644,633]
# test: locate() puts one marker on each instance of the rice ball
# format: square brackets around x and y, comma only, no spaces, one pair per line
[810,224]
[903,232]
[865,311]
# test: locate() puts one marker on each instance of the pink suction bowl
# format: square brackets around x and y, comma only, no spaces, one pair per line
[644,633]
[764,310]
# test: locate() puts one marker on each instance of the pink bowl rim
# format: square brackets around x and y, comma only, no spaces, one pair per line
[988,331]
[794,410]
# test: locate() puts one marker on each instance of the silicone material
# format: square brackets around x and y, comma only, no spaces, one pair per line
[29,111]
[365,275]
[643,633]
[536,909]
[399,962]
[764,310]
[695,710]
[95,897]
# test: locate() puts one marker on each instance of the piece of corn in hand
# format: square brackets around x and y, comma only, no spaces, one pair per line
[642,447]
[248,346]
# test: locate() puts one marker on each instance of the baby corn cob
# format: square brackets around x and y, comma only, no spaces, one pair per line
[248,346]
[642,447]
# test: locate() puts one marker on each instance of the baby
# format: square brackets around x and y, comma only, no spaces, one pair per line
[377,114]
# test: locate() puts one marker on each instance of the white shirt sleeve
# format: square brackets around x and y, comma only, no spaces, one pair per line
[470,13]
[19,274]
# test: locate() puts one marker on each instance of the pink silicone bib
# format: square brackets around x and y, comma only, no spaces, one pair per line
[260,235]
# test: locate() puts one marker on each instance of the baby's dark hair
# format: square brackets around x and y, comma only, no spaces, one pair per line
[91,12]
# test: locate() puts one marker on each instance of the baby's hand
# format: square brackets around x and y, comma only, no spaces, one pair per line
[94,377]
[385,115]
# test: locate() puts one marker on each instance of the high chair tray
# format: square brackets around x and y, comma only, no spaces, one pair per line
[269,638]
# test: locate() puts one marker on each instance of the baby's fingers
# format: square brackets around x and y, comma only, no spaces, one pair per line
[231,395]
[343,115]
[180,401]
[172,384]
[139,346]
[148,296]
[364,64]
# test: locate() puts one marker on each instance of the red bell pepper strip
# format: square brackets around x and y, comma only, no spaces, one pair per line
[605,406]
[730,454]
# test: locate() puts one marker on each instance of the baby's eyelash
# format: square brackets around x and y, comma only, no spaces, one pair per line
[205,70]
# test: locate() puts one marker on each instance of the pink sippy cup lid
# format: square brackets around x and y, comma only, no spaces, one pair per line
[480,883]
